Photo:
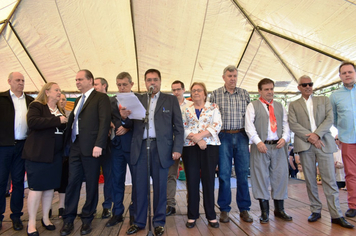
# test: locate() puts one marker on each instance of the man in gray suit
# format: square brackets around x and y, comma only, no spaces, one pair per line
[310,118]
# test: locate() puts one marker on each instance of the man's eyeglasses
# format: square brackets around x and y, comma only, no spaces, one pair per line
[336,139]
[306,84]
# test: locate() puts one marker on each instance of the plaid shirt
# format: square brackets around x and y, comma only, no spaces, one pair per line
[232,107]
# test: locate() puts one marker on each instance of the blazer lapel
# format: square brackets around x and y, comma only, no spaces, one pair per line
[161,99]
[304,106]
[92,94]
[315,106]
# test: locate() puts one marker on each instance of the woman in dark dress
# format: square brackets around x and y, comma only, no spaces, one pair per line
[43,153]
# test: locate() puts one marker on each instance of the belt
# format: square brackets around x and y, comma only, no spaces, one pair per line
[151,139]
[271,141]
[234,131]
[18,141]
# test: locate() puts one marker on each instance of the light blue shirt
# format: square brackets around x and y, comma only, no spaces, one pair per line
[343,102]
[151,116]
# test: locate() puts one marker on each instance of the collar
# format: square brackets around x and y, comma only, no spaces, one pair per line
[13,95]
[87,93]
[225,90]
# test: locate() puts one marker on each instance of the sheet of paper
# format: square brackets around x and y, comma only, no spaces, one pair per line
[131,102]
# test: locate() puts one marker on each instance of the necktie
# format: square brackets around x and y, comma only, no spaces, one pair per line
[76,119]
[272,117]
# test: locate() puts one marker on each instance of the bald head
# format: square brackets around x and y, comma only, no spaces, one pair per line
[17,82]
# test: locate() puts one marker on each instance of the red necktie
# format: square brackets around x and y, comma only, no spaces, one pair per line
[272,117]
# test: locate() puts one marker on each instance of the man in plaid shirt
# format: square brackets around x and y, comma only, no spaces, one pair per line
[232,102]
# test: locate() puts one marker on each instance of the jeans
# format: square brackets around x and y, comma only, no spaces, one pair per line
[119,160]
[234,146]
[11,162]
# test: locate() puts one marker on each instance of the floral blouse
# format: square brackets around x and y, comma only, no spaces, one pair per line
[210,120]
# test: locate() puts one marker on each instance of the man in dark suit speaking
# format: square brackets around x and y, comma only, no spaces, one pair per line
[165,122]
[88,128]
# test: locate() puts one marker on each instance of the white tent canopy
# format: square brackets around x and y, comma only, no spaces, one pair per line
[188,40]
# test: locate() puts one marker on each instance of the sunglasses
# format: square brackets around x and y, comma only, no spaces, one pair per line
[306,84]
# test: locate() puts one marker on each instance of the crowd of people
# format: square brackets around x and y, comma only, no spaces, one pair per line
[60,149]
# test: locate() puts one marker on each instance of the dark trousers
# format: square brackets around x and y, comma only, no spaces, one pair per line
[105,162]
[119,160]
[79,167]
[11,162]
[159,176]
[200,164]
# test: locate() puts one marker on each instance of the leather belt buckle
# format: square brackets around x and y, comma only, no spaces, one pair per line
[270,142]
[234,131]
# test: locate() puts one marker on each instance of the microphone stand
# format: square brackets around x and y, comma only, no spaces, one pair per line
[148,143]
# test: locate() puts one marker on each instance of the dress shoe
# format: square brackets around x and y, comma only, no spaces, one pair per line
[214,224]
[314,217]
[86,229]
[350,213]
[60,213]
[190,225]
[48,227]
[170,210]
[159,230]
[17,224]
[33,233]
[66,229]
[341,221]
[106,213]
[133,229]
[224,217]
[245,216]
[114,220]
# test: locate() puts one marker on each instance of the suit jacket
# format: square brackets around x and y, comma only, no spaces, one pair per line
[122,141]
[93,122]
[42,126]
[299,123]
[7,118]
[168,123]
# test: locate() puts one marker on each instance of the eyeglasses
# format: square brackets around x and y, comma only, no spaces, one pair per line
[306,84]
[336,139]
[197,90]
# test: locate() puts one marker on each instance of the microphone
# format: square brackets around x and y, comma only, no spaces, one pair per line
[150,89]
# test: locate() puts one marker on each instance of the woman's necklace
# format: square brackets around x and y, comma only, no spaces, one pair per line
[53,111]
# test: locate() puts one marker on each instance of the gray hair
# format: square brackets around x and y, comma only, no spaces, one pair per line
[230,68]
[304,77]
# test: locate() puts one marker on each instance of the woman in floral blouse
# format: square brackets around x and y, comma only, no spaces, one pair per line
[202,124]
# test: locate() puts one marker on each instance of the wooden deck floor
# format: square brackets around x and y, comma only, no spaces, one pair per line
[297,206]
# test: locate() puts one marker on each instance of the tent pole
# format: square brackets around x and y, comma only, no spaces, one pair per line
[300,43]
[7,20]
[135,45]
[245,49]
[265,39]
[28,54]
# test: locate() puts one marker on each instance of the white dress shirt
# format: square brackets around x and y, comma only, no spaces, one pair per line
[20,107]
[310,109]
[251,130]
